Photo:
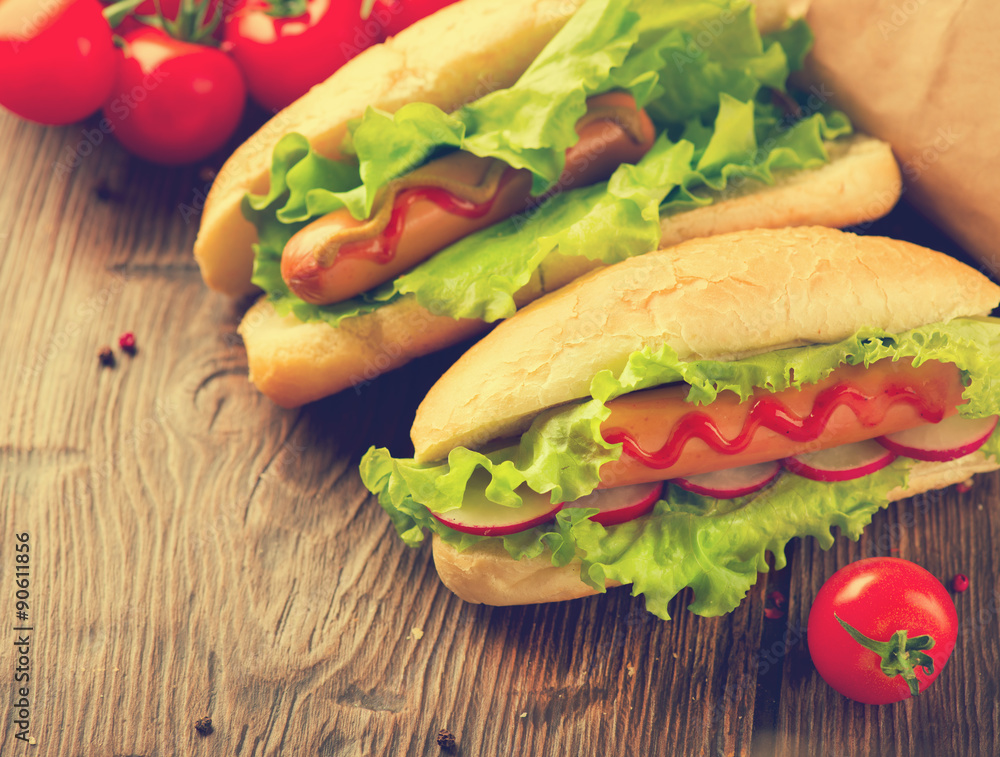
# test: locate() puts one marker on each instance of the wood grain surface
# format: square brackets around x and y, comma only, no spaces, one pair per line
[196,551]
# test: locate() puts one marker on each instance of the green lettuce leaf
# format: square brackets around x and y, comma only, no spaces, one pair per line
[699,66]
[715,547]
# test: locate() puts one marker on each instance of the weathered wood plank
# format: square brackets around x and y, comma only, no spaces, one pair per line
[198,551]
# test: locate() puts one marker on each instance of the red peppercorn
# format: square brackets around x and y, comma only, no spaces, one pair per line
[127,342]
[960,583]
[774,605]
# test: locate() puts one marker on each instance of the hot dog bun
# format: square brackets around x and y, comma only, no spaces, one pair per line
[489,44]
[294,362]
[718,298]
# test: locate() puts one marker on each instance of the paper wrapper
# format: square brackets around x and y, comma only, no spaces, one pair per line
[922,75]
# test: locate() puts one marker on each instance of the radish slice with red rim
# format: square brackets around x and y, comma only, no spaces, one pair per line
[620,503]
[842,463]
[950,439]
[482,517]
[732,482]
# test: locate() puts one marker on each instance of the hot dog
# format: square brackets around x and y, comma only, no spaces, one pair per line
[337,257]
[343,302]
[698,361]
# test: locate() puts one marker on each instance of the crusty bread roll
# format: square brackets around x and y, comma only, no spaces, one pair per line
[720,298]
[450,58]
[486,574]
[294,362]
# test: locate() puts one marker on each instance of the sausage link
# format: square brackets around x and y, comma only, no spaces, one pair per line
[893,396]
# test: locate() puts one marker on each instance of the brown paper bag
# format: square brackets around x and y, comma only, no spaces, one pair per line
[922,75]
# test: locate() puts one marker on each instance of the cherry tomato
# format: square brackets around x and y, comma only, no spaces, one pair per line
[879,597]
[58,60]
[174,102]
[282,57]
[402,13]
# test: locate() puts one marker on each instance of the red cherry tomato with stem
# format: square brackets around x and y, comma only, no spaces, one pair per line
[881,629]
[285,47]
[174,102]
[58,60]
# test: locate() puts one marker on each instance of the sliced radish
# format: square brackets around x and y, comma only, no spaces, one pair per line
[481,517]
[620,503]
[732,482]
[952,438]
[841,463]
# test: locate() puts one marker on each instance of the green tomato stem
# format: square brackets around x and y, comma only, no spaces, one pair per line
[286,8]
[899,655]
[117,12]
[192,23]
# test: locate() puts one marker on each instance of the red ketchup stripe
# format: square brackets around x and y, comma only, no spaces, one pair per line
[774,415]
[382,248]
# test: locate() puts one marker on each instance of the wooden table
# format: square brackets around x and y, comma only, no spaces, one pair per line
[196,551]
